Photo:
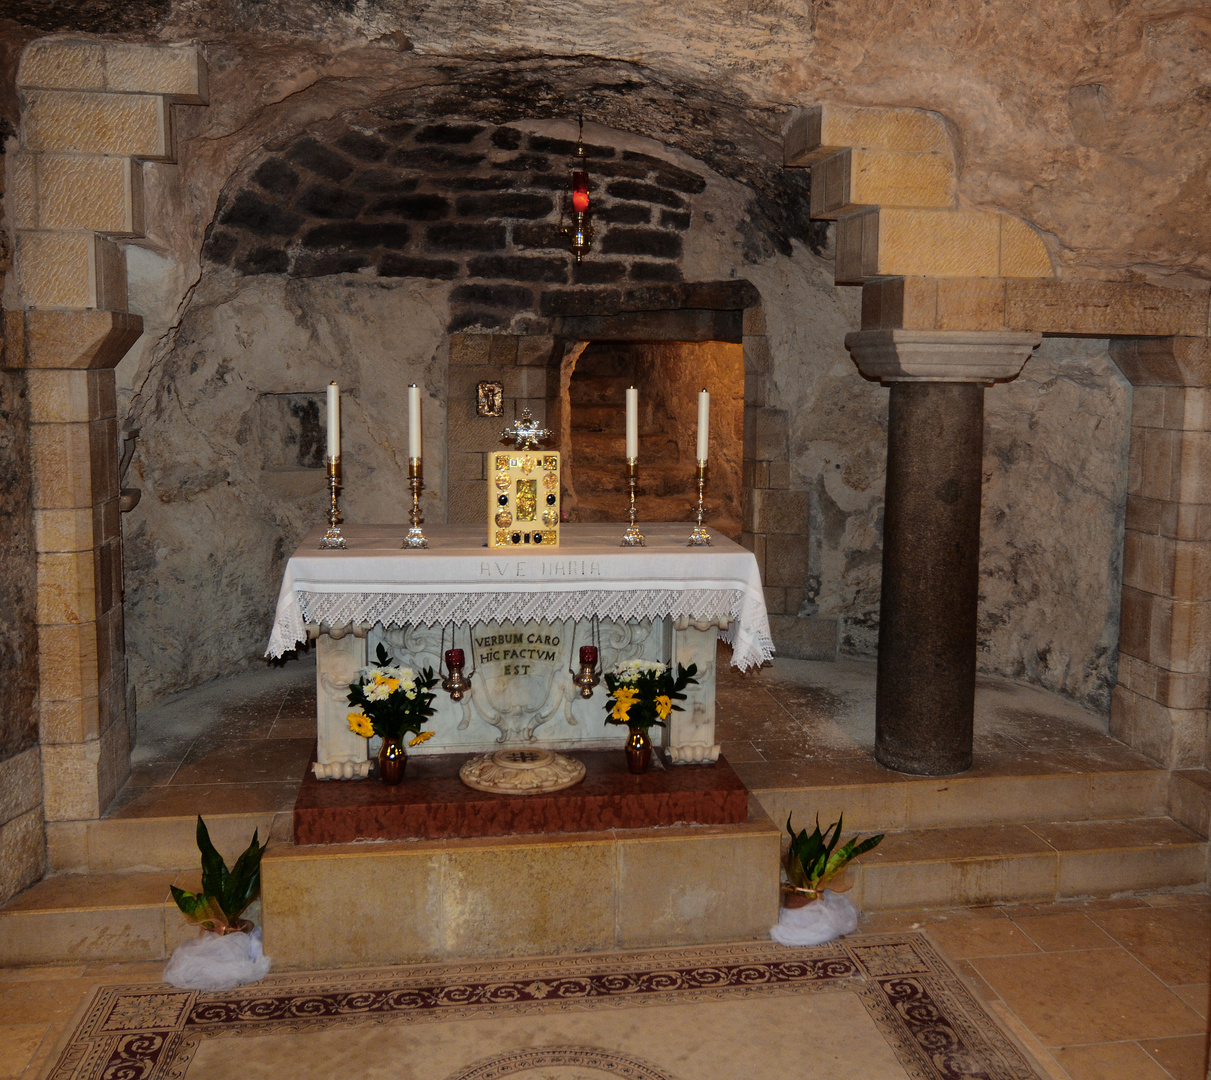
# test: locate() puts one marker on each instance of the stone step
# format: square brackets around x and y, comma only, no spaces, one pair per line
[168,841]
[81,918]
[655,448]
[486,896]
[648,508]
[600,388]
[1190,799]
[603,481]
[1073,783]
[995,864]
[109,917]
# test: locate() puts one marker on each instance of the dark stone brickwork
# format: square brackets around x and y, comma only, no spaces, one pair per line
[474,204]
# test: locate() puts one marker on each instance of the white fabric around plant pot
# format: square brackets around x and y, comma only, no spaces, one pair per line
[217,962]
[826,919]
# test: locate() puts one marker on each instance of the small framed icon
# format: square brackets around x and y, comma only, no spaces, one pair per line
[490,399]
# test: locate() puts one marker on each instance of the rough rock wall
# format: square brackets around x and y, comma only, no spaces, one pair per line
[1053,522]
[1055,475]
[230,448]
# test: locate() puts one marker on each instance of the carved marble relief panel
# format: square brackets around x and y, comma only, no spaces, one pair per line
[521,690]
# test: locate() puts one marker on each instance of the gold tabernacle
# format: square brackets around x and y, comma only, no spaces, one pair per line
[523,499]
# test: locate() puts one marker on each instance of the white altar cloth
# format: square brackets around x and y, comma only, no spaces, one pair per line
[459,579]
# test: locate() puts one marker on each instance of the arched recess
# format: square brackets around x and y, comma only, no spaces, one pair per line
[438,236]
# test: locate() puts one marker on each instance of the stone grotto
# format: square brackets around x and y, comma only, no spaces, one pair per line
[945,273]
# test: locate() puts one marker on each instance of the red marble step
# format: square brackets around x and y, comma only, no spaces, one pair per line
[433,804]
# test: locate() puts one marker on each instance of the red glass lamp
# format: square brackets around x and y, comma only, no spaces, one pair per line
[579,232]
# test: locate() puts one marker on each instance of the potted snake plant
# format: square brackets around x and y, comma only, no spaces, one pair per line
[813,862]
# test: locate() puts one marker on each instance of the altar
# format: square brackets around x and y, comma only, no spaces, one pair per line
[519,615]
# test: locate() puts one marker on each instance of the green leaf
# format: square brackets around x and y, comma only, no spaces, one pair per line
[866,845]
[201,909]
[189,903]
[828,850]
[214,869]
[245,880]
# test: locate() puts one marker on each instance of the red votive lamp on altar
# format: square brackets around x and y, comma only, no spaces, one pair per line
[588,676]
[456,683]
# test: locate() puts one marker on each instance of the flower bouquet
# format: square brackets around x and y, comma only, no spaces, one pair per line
[391,700]
[643,693]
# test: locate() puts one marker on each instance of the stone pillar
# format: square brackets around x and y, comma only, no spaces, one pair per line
[1161,703]
[90,111]
[925,693]
[69,357]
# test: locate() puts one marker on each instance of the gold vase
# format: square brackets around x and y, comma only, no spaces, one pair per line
[639,750]
[392,759]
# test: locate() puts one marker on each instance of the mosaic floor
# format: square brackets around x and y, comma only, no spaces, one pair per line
[886,1007]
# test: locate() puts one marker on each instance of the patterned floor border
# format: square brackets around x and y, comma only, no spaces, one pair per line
[934,1025]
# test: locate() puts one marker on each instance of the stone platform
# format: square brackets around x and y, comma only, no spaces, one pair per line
[433,804]
[1055,809]
[349,905]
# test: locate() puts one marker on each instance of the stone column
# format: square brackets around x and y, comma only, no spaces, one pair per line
[70,357]
[925,693]
[1162,703]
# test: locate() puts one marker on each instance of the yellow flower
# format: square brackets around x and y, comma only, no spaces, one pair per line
[359,724]
[663,706]
[624,698]
[421,736]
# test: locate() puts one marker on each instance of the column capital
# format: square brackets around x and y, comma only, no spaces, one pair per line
[940,355]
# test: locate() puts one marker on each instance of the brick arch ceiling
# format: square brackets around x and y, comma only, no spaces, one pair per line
[459,201]
[435,132]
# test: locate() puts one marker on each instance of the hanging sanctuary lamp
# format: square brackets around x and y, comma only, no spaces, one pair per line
[578,230]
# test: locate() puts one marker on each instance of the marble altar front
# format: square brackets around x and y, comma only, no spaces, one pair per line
[520,618]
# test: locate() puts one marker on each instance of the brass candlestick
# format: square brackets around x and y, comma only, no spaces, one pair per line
[700,537]
[415,538]
[332,538]
[632,537]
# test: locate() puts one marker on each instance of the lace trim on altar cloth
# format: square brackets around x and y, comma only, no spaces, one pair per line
[751,643]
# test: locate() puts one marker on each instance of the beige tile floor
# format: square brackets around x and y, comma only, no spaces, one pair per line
[1097,990]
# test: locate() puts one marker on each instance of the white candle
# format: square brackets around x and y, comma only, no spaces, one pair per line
[704,424]
[632,423]
[414,422]
[334,421]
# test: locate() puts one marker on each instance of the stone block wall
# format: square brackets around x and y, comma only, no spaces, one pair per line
[22,833]
[1162,703]
[88,110]
[523,366]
